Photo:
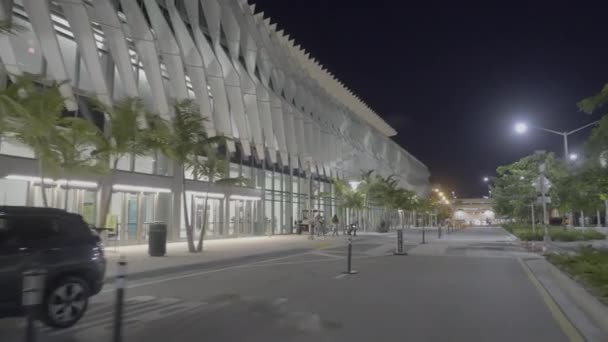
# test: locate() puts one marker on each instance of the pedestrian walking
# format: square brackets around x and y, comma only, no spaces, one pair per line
[317,224]
[334,222]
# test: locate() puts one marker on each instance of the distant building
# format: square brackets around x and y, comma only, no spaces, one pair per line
[474,211]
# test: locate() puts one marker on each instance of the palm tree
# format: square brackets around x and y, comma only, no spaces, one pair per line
[347,197]
[191,148]
[33,115]
[132,130]
[73,147]
[213,168]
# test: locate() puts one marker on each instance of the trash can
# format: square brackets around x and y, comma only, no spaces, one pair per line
[157,239]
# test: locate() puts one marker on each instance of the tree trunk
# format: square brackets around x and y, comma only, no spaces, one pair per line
[65,196]
[45,201]
[199,246]
[582,219]
[606,213]
[599,219]
[106,201]
[189,232]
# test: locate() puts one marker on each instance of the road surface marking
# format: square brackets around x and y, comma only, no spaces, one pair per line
[266,262]
[564,323]
[340,276]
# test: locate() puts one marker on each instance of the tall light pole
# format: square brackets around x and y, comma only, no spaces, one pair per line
[522,128]
[487,181]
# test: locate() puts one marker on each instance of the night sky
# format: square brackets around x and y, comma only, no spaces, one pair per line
[453,78]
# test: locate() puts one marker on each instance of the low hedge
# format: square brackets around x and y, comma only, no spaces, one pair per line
[528,234]
[525,233]
[590,266]
[575,235]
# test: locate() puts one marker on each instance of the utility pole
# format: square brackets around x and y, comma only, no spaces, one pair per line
[542,168]
[533,219]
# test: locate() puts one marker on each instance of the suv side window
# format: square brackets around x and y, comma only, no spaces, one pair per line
[6,231]
[32,228]
[71,225]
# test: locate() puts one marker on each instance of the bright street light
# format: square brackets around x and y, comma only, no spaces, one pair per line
[486,179]
[573,156]
[354,185]
[521,128]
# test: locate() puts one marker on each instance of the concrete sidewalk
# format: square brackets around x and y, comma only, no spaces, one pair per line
[140,264]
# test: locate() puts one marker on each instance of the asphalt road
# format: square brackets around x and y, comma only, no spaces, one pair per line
[450,296]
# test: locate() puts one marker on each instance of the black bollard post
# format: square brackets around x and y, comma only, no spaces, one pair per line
[120,294]
[423,233]
[349,269]
[399,250]
[439,232]
[31,299]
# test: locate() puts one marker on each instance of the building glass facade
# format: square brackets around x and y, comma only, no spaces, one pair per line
[292,125]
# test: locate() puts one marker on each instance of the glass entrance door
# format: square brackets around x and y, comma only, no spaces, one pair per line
[132,219]
[242,215]
[211,214]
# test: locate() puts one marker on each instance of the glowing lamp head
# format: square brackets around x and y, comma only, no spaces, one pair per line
[573,156]
[521,128]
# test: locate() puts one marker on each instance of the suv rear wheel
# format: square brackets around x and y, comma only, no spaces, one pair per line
[65,302]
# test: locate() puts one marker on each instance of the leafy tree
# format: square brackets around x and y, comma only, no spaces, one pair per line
[513,190]
[405,200]
[347,197]
[595,102]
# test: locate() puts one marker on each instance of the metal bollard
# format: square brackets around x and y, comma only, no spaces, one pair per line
[31,298]
[121,274]
[349,269]
[423,235]
[439,232]
[399,250]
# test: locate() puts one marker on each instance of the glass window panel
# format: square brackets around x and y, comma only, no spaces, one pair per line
[276,223]
[27,49]
[87,210]
[13,192]
[277,181]
[144,164]
[124,163]
[234,170]
[268,216]
[268,180]
[13,148]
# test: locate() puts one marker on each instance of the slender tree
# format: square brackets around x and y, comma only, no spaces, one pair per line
[131,131]
[192,149]
[32,113]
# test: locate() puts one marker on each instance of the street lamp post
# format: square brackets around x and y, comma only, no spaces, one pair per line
[354,185]
[487,181]
[522,128]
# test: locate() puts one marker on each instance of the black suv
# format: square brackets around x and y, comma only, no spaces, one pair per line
[62,244]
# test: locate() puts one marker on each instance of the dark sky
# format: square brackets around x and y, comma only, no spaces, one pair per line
[453,77]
